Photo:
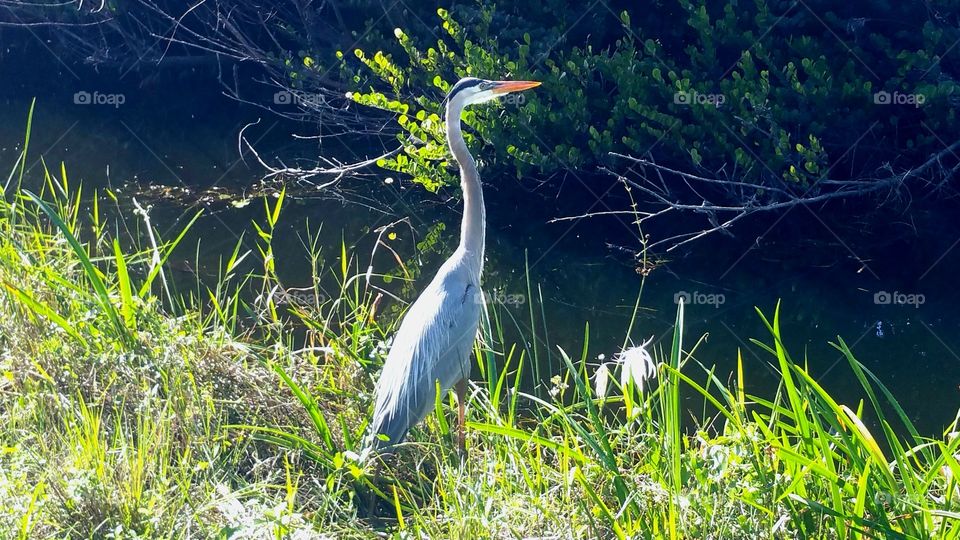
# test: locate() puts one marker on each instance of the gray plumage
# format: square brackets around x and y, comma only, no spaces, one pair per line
[437,333]
[433,344]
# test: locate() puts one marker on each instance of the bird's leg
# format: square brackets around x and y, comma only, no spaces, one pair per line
[371,494]
[461,388]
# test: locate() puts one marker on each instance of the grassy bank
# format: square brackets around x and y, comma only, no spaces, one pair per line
[132,409]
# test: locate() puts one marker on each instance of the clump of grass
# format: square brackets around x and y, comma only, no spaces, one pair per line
[115,394]
[129,410]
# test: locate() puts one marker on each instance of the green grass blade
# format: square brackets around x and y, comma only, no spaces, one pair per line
[45,311]
[305,399]
[526,436]
[126,294]
[91,272]
[155,270]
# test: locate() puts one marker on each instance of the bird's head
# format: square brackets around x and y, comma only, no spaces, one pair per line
[469,91]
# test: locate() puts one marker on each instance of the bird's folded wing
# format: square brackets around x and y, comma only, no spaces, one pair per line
[433,344]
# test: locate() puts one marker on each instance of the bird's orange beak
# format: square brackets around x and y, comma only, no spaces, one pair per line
[505,87]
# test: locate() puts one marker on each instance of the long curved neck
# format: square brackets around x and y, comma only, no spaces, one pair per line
[474,216]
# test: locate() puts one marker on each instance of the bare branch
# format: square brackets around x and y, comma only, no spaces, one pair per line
[726,196]
[338,170]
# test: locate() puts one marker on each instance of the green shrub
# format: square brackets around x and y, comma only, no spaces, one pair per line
[747,90]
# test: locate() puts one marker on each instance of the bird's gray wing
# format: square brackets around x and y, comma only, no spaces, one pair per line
[433,344]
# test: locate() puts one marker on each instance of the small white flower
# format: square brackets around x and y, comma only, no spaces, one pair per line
[637,365]
[558,386]
[601,379]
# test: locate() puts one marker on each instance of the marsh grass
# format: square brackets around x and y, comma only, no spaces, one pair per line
[131,410]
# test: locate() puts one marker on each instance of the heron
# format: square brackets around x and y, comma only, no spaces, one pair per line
[432,348]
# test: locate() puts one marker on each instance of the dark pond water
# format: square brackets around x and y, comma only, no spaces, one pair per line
[172,143]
